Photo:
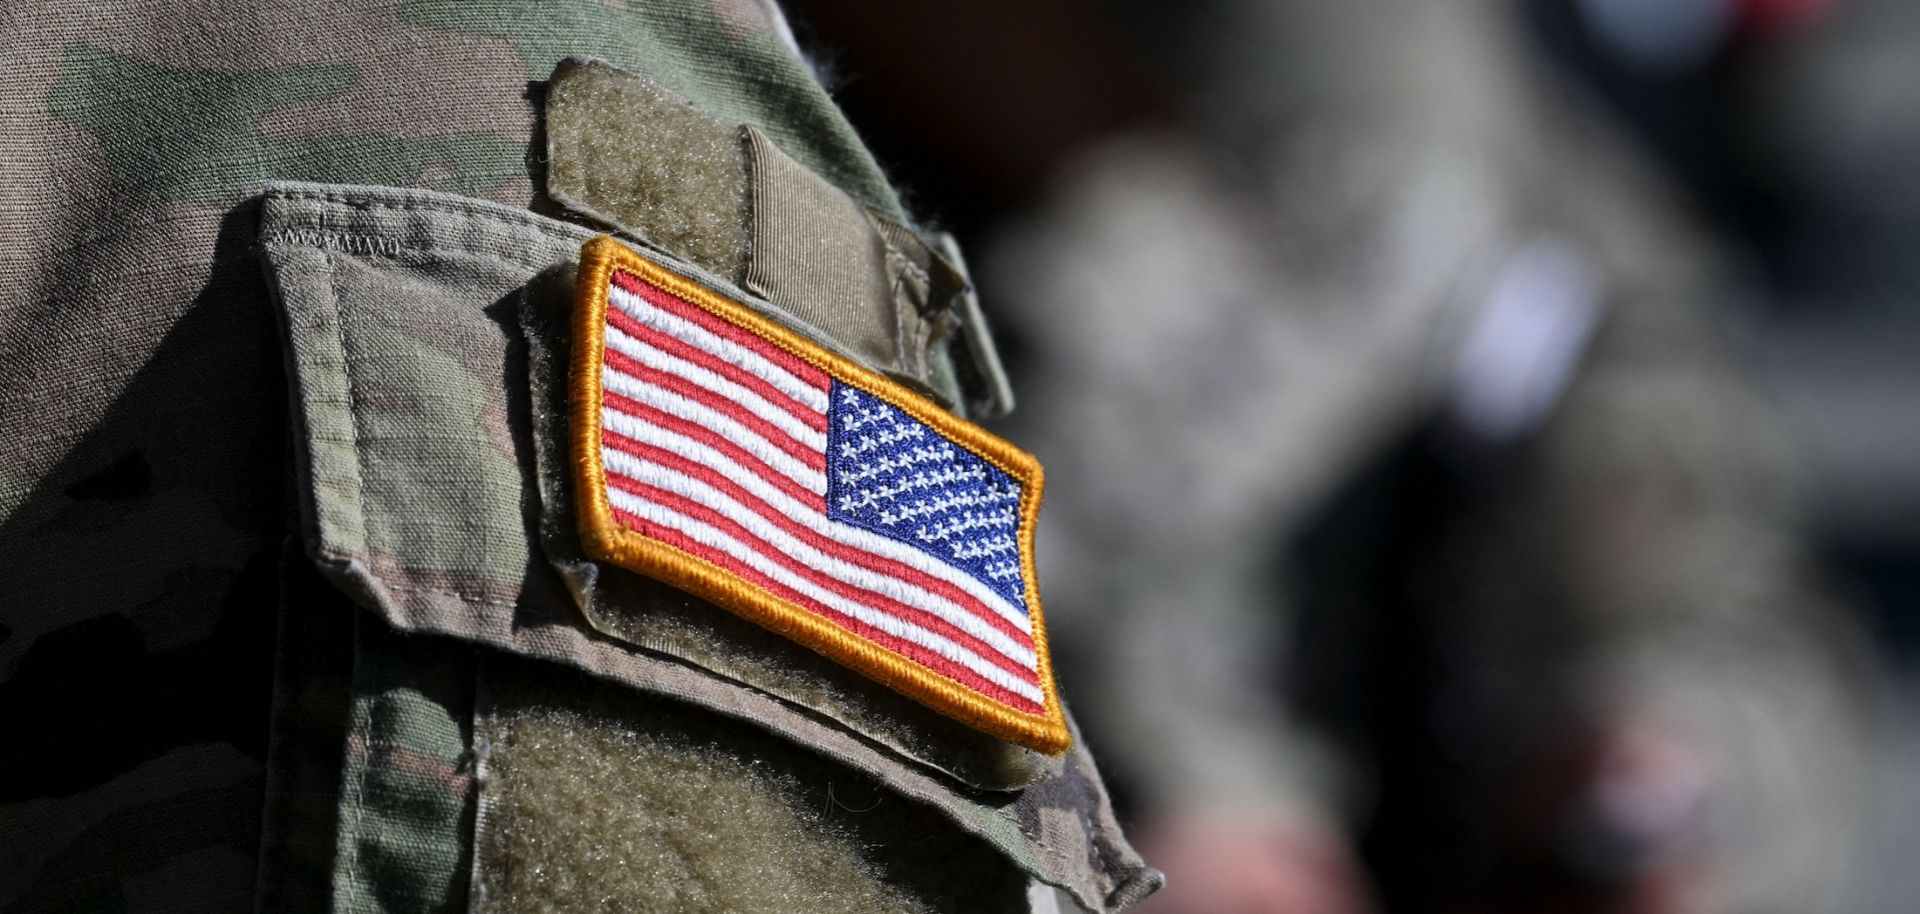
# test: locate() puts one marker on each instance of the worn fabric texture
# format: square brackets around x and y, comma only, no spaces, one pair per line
[595,793]
[419,489]
[867,279]
[816,255]
[144,476]
[406,794]
[647,613]
[622,149]
[627,153]
[312,698]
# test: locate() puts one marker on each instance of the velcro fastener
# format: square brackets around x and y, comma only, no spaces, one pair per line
[626,152]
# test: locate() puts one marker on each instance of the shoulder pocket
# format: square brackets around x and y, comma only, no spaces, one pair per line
[422,337]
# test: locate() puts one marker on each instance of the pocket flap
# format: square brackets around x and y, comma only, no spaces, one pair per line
[419,343]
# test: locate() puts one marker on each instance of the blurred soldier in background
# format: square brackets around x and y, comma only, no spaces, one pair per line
[1387,358]
[1413,537]
[1798,137]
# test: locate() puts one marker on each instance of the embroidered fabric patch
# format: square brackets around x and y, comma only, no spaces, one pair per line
[725,454]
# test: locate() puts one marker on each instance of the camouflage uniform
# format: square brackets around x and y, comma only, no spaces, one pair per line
[290,618]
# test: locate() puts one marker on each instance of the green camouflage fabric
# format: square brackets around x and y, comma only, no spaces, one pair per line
[647,613]
[417,500]
[214,706]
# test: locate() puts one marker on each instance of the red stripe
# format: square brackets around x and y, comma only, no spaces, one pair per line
[682,505]
[682,349]
[719,403]
[672,304]
[875,563]
[917,653]
[706,436]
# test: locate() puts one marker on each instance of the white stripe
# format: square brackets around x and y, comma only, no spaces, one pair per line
[706,535]
[674,404]
[700,337]
[814,518]
[893,588]
[659,360]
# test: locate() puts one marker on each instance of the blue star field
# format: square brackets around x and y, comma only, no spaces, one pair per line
[894,475]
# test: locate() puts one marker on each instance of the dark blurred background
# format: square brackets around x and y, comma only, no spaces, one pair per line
[1483,449]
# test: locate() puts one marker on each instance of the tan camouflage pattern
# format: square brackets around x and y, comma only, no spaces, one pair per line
[418,497]
[155,759]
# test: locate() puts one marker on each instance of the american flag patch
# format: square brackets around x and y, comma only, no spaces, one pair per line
[732,457]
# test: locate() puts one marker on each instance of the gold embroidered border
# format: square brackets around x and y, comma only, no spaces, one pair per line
[604,538]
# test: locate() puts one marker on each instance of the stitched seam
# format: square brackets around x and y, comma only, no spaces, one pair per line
[1054,855]
[837,487]
[909,342]
[364,203]
[355,807]
[401,249]
[449,592]
[1035,838]
[824,365]
[353,396]
[607,539]
[354,400]
[1055,858]
[476,212]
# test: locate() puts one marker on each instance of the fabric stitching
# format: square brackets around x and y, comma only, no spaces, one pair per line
[476,211]
[1056,859]
[837,489]
[469,599]
[607,539]
[356,812]
[472,212]
[352,441]
[353,392]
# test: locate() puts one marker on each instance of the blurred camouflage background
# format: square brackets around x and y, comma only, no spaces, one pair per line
[1483,466]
